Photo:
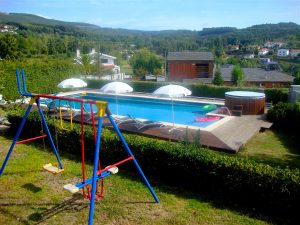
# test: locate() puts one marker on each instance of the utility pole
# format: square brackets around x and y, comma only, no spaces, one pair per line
[165,64]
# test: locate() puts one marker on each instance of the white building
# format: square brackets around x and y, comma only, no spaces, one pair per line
[263,51]
[264,60]
[250,56]
[283,52]
[295,52]
[107,61]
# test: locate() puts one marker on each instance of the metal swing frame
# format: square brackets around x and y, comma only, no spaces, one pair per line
[98,173]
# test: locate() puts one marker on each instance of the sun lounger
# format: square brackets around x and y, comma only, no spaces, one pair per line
[124,119]
[140,125]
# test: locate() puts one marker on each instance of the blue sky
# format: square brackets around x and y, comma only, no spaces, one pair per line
[161,14]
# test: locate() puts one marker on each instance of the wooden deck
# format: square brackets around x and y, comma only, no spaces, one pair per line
[230,136]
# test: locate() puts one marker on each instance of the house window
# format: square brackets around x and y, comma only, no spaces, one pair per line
[104,60]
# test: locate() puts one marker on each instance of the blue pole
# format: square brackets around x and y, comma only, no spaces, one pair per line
[18,82]
[96,160]
[24,82]
[48,133]
[16,138]
[130,153]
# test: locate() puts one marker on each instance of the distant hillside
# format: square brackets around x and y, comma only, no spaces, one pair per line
[23,18]
[62,37]
[217,31]
[269,30]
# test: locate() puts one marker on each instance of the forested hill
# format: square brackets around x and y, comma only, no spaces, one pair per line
[268,29]
[23,18]
[87,36]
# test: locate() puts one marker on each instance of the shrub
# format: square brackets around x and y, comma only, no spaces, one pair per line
[285,115]
[240,179]
[218,79]
[275,95]
[237,76]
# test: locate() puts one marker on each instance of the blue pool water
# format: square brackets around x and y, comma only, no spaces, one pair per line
[155,109]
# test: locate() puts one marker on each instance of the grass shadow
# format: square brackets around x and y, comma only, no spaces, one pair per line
[31,187]
[285,153]
[289,140]
[216,199]
[74,203]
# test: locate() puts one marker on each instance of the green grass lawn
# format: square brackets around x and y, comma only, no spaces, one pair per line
[29,195]
[274,147]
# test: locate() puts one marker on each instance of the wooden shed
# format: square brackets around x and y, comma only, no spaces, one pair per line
[190,65]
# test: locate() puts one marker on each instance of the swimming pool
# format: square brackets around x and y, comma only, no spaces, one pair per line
[156,109]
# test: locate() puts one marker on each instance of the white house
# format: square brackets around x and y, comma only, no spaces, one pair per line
[263,51]
[249,56]
[295,52]
[264,60]
[270,44]
[283,52]
[107,61]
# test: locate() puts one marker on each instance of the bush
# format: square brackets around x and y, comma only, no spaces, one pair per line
[285,115]
[275,95]
[240,179]
[218,79]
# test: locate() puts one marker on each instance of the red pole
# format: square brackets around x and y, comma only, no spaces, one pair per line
[31,139]
[82,149]
[99,165]
[116,164]
[93,121]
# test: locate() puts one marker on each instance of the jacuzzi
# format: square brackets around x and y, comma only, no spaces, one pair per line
[249,102]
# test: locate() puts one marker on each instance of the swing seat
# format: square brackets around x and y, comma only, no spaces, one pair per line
[113,170]
[71,188]
[52,169]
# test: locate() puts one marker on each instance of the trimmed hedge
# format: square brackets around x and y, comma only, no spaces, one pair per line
[273,95]
[260,186]
[41,76]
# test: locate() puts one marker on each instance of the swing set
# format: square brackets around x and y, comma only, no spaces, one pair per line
[92,187]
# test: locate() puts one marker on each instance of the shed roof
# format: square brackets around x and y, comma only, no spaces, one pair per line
[257,75]
[190,56]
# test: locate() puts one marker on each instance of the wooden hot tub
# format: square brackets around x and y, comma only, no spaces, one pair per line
[248,102]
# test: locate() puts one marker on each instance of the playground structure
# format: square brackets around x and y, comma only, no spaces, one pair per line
[92,188]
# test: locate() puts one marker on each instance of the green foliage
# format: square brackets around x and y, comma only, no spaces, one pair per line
[297,79]
[237,75]
[44,36]
[41,76]
[240,179]
[286,115]
[275,95]
[86,62]
[145,62]
[218,79]
[9,47]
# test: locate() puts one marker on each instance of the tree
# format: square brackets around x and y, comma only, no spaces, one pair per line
[297,79]
[86,61]
[237,76]
[218,79]
[98,68]
[146,62]
[8,47]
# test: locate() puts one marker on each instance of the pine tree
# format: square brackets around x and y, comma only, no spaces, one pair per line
[237,75]
[218,79]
